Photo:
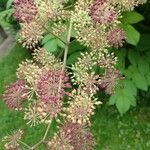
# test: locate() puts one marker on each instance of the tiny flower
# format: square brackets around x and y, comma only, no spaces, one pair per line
[25,10]
[15,94]
[102,12]
[12,140]
[116,37]
[51,86]
[72,136]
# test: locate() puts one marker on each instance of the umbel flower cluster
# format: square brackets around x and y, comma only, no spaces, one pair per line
[46,88]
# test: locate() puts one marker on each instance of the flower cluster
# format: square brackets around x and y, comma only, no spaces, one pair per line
[126,5]
[25,10]
[15,94]
[72,136]
[30,34]
[102,12]
[29,71]
[116,37]
[109,80]
[44,81]
[81,107]
[51,86]
[12,141]
[46,59]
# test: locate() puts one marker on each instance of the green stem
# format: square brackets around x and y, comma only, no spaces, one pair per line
[26,145]
[43,139]
[66,52]
[67,45]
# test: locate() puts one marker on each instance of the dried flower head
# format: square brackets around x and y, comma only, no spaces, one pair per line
[46,59]
[29,71]
[116,37]
[109,81]
[102,12]
[72,136]
[81,107]
[12,140]
[30,34]
[51,85]
[15,94]
[25,10]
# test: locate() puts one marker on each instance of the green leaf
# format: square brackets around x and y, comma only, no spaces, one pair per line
[51,45]
[47,38]
[140,81]
[143,66]
[75,46]
[132,17]
[124,97]
[60,43]
[112,99]
[144,43]
[148,78]
[9,3]
[130,87]
[122,102]
[121,55]
[133,56]
[132,35]
[73,58]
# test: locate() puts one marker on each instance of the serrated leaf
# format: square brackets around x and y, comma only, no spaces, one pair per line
[51,45]
[47,38]
[143,66]
[75,46]
[73,58]
[140,81]
[132,17]
[132,35]
[133,56]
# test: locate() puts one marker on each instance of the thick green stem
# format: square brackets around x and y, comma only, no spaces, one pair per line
[67,45]
[66,51]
